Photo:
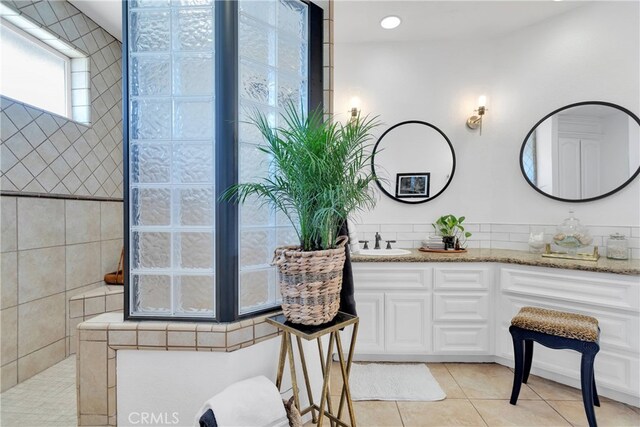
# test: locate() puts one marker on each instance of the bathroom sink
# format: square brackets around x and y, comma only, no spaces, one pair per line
[384,252]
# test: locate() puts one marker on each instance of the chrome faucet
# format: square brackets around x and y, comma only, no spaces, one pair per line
[378,238]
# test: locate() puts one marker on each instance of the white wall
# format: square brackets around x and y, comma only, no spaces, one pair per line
[166,382]
[526,75]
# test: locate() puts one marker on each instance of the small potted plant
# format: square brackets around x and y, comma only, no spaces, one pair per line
[452,231]
[321,176]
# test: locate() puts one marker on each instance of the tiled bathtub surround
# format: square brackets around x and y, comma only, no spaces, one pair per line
[495,235]
[100,338]
[52,249]
[46,153]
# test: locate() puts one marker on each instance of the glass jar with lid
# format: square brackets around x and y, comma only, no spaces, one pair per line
[572,235]
[617,247]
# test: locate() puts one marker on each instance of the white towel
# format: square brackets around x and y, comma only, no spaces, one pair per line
[254,402]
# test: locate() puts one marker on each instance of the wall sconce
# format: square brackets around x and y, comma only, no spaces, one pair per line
[475,121]
[355,108]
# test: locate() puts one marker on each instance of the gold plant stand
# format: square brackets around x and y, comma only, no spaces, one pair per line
[309,333]
[578,256]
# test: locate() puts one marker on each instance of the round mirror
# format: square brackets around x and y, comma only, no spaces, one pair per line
[582,152]
[413,162]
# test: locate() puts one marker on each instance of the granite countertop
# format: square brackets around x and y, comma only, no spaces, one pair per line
[603,265]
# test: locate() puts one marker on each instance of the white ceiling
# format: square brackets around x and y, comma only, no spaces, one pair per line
[424,20]
[106,13]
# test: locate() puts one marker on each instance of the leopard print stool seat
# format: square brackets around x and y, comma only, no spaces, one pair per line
[558,323]
[558,330]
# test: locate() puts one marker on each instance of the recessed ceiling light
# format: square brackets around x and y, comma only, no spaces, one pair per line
[390,22]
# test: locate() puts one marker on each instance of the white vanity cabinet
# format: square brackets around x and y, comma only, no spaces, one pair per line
[461,311]
[462,302]
[420,309]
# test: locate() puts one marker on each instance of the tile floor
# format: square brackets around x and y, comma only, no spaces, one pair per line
[47,399]
[477,395]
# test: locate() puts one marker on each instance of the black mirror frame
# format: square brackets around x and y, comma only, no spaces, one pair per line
[373,163]
[577,104]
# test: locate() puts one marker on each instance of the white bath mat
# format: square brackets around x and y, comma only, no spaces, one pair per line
[392,381]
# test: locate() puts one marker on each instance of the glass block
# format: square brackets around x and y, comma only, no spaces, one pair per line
[255,41]
[193,120]
[150,31]
[254,163]
[257,84]
[292,18]
[192,2]
[195,294]
[255,213]
[193,163]
[286,236]
[256,289]
[291,91]
[247,130]
[283,220]
[151,293]
[150,119]
[151,206]
[150,163]
[194,250]
[193,74]
[256,247]
[193,29]
[151,250]
[150,75]
[195,206]
[292,56]
[265,11]
[149,3]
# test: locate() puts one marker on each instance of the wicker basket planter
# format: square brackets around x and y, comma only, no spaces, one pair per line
[310,282]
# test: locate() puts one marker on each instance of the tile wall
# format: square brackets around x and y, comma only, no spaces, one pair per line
[493,235]
[52,249]
[55,248]
[46,153]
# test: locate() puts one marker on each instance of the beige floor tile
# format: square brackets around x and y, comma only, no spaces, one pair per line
[551,390]
[448,412]
[372,413]
[487,381]
[446,381]
[608,414]
[498,413]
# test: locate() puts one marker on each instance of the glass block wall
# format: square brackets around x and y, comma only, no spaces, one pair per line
[171,158]
[273,49]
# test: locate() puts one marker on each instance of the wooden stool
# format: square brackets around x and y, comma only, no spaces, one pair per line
[559,330]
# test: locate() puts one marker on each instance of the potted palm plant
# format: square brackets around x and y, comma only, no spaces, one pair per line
[321,176]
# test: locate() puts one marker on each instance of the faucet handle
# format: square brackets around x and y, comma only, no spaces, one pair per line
[366,243]
[389,242]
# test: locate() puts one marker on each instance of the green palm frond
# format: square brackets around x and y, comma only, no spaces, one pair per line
[320,172]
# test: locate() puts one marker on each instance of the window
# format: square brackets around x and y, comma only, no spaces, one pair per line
[40,69]
[34,74]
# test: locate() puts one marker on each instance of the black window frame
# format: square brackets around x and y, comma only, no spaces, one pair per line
[226,155]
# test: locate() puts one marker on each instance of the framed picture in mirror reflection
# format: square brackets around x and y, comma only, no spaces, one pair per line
[412,184]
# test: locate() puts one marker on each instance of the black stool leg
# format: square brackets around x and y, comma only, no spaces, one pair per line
[518,357]
[528,357]
[596,399]
[586,379]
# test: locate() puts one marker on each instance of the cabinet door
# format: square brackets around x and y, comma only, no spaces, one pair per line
[407,325]
[568,168]
[370,339]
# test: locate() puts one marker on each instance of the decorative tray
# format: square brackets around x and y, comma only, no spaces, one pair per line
[442,251]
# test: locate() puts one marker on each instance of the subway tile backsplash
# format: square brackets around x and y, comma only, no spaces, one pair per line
[494,235]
